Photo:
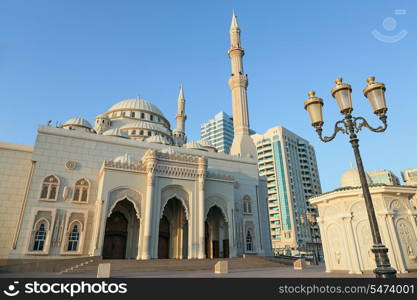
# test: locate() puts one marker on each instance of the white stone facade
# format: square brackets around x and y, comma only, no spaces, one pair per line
[156,174]
[15,168]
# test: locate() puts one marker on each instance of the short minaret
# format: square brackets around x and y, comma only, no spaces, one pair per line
[243,144]
[179,133]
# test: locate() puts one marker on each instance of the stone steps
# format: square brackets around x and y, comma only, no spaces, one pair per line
[160,265]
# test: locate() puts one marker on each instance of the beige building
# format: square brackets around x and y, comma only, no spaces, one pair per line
[346,232]
[409,176]
[289,164]
[384,177]
[130,187]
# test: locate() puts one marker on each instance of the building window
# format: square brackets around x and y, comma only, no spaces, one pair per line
[149,133]
[247,205]
[132,114]
[249,242]
[50,188]
[81,191]
[40,237]
[133,132]
[123,113]
[141,132]
[151,117]
[142,115]
[73,238]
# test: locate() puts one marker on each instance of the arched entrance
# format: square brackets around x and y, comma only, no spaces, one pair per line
[173,231]
[122,232]
[217,234]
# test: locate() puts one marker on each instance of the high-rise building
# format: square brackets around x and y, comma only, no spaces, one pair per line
[409,176]
[289,163]
[218,131]
[385,177]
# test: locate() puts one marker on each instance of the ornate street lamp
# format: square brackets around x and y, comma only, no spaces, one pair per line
[375,92]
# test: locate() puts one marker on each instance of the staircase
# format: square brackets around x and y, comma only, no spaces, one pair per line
[124,266]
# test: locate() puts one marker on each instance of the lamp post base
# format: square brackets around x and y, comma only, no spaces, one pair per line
[383,269]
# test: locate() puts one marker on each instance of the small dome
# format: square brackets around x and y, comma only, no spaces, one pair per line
[116,132]
[195,145]
[126,158]
[102,116]
[81,122]
[201,145]
[136,104]
[157,139]
[351,178]
[207,145]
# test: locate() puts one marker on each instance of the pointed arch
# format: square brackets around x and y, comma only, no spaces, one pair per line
[81,190]
[119,194]
[175,191]
[50,188]
[216,200]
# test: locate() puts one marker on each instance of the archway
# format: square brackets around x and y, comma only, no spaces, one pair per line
[122,232]
[217,234]
[173,231]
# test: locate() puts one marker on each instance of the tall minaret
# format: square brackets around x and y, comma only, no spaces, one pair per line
[179,132]
[243,144]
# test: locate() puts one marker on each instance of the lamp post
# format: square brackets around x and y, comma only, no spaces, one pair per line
[375,92]
[312,221]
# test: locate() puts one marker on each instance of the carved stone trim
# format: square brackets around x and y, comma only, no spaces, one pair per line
[135,167]
[220,176]
[125,193]
[216,200]
[170,192]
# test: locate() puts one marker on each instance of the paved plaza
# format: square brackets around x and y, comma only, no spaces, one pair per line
[278,272]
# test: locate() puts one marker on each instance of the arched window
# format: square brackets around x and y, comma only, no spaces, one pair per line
[50,188]
[247,205]
[151,117]
[142,115]
[73,238]
[81,191]
[40,237]
[149,133]
[133,132]
[249,242]
[141,132]
[132,114]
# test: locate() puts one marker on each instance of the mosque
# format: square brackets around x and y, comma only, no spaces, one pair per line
[130,187]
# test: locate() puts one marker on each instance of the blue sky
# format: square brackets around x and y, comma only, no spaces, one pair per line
[60,59]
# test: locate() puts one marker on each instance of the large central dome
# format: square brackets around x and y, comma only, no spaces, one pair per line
[135,104]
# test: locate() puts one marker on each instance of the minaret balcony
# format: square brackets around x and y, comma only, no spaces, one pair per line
[238,80]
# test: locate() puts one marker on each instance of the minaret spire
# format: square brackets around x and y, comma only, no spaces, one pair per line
[179,132]
[242,143]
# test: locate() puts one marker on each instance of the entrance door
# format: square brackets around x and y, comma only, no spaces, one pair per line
[216,250]
[163,243]
[115,237]
[226,248]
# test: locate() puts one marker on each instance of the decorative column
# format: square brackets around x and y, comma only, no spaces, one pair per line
[327,257]
[150,161]
[413,220]
[202,168]
[353,250]
[393,243]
